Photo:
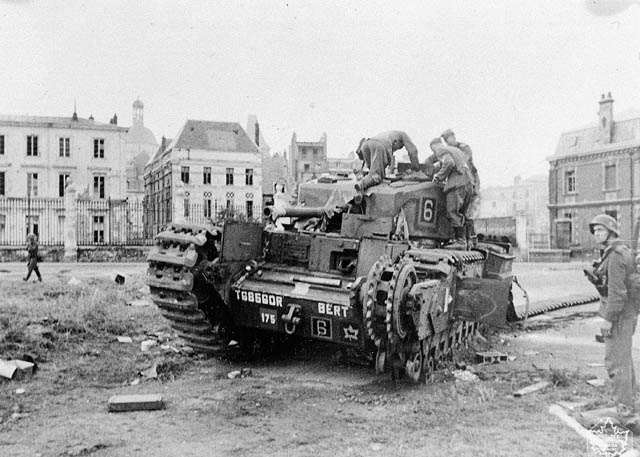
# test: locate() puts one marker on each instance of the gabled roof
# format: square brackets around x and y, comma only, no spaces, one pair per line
[57,122]
[624,133]
[160,150]
[214,136]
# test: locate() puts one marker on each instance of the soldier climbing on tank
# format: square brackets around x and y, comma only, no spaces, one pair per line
[454,172]
[377,154]
[450,138]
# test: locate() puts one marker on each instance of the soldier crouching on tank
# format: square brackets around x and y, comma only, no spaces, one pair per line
[377,154]
[32,257]
[454,172]
[612,276]
[450,138]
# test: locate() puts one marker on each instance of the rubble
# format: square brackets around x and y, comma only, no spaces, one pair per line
[16,370]
[146,345]
[235,374]
[123,403]
[74,282]
[597,382]
[532,388]
[125,339]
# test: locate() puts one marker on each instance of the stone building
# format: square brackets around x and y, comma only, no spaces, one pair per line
[207,167]
[307,159]
[139,145]
[594,170]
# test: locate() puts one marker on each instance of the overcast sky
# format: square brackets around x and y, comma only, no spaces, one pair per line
[508,76]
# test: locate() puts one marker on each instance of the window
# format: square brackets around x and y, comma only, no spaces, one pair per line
[2,190]
[62,182]
[570,181]
[229,176]
[98,186]
[229,203]
[98,148]
[186,207]
[306,167]
[32,145]
[610,177]
[248,177]
[493,204]
[184,174]
[98,229]
[65,147]
[249,209]
[207,207]
[206,175]
[612,212]
[32,184]
[3,224]
[32,224]
[1,145]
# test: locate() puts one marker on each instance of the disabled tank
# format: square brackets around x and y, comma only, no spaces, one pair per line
[377,276]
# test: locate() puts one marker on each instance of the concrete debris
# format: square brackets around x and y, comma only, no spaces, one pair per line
[119,279]
[594,365]
[122,403]
[596,382]
[125,339]
[376,447]
[168,347]
[16,370]
[74,282]
[140,302]
[465,376]
[532,388]
[20,391]
[135,382]
[235,374]
[144,290]
[151,372]
[146,345]
[531,353]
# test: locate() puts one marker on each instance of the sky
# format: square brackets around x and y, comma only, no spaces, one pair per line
[508,76]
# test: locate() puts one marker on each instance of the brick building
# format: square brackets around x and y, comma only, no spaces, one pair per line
[594,170]
[307,159]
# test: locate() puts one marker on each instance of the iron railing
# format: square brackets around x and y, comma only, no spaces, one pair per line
[43,216]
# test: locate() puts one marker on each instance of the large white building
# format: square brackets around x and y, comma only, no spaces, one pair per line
[210,166]
[38,154]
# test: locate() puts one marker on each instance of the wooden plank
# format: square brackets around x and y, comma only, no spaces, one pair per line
[123,403]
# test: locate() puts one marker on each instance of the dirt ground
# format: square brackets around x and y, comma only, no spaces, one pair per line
[308,401]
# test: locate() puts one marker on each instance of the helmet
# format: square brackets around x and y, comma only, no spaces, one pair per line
[447,133]
[607,222]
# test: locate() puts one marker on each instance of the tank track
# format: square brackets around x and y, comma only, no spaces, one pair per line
[178,284]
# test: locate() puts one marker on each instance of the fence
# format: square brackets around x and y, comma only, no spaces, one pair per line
[538,241]
[105,222]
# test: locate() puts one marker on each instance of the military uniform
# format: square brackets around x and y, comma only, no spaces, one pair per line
[618,308]
[458,188]
[377,154]
[32,258]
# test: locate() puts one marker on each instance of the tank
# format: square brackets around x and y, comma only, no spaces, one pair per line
[377,277]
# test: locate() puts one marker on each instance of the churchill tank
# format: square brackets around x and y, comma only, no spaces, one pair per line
[379,277]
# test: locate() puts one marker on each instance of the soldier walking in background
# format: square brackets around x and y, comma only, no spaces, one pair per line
[450,138]
[377,154]
[619,311]
[455,174]
[32,257]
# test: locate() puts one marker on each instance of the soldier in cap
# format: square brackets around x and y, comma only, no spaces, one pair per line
[377,154]
[32,257]
[454,172]
[450,138]
[613,275]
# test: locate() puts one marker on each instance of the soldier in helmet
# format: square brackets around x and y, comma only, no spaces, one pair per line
[619,313]
[450,138]
[32,257]
[377,154]
[454,172]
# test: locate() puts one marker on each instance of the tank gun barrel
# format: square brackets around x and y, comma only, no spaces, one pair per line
[293,211]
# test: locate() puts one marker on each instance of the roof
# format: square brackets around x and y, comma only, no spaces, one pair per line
[160,150]
[139,134]
[214,136]
[57,122]
[624,133]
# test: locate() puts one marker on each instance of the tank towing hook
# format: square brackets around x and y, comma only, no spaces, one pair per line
[292,318]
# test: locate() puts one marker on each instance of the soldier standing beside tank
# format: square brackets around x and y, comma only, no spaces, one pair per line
[32,257]
[454,172]
[377,154]
[619,310]
[450,138]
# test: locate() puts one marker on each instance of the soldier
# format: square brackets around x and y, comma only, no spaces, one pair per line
[619,312]
[450,138]
[377,154]
[454,172]
[32,257]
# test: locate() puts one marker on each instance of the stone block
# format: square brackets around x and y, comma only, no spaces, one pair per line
[123,403]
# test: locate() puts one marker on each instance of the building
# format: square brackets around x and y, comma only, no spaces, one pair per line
[139,145]
[525,197]
[207,168]
[344,164]
[594,170]
[307,159]
[38,154]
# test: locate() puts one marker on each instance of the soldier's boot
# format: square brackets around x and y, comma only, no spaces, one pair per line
[357,199]
[470,234]
[459,240]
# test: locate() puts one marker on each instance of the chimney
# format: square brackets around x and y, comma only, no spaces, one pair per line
[605,118]
[257,133]
[163,143]
[91,117]
[114,119]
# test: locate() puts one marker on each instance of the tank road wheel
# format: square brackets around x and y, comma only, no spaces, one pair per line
[381,359]
[372,319]
[414,366]
[404,278]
